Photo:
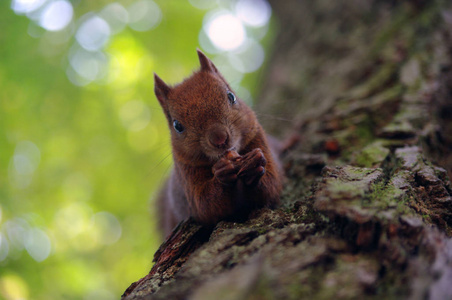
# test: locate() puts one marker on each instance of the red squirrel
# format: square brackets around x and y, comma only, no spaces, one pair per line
[223,165]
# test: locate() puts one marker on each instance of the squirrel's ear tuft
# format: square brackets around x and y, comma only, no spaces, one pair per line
[161,89]
[206,64]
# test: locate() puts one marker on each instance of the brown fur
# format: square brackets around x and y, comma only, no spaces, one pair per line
[206,183]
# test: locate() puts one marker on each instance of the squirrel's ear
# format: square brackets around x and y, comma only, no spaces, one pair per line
[161,90]
[206,64]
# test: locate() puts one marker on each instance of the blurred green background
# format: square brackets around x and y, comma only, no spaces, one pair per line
[83,143]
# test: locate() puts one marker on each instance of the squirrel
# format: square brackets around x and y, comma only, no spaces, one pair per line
[224,167]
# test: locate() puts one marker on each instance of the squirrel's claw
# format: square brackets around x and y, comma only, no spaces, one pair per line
[225,171]
[253,167]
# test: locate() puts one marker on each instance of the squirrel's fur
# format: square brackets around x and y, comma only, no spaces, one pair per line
[223,165]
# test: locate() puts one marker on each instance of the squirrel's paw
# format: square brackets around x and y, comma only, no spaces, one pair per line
[225,171]
[253,167]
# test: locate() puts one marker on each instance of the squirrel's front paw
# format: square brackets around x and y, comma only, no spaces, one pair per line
[225,171]
[253,167]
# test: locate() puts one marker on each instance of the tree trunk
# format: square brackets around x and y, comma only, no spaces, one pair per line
[364,90]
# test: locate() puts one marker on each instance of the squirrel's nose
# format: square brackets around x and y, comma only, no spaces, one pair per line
[218,138]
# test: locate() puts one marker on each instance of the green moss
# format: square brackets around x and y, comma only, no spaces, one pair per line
[354,173]
[377,192]
[385,196]
[371,155]
[338,187]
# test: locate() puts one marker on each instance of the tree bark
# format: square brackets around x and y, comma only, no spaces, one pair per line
[364,90]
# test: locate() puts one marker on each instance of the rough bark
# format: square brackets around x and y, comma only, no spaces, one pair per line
[367,206]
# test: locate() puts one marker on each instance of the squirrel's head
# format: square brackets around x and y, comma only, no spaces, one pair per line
[205,116]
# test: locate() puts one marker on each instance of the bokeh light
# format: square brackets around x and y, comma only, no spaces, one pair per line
[13,287]
[88,66]
[144,15]
[16,230]
[37,244]
[56,15]
[225,30]
[107,228]
[23,164]
[116,16]
[253,12]
[26,6]
[26,157]
[249,58]
[93,33]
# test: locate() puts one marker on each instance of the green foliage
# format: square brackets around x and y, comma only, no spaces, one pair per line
[79,164]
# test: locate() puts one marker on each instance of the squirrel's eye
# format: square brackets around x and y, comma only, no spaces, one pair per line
[178,126]
[231,97]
